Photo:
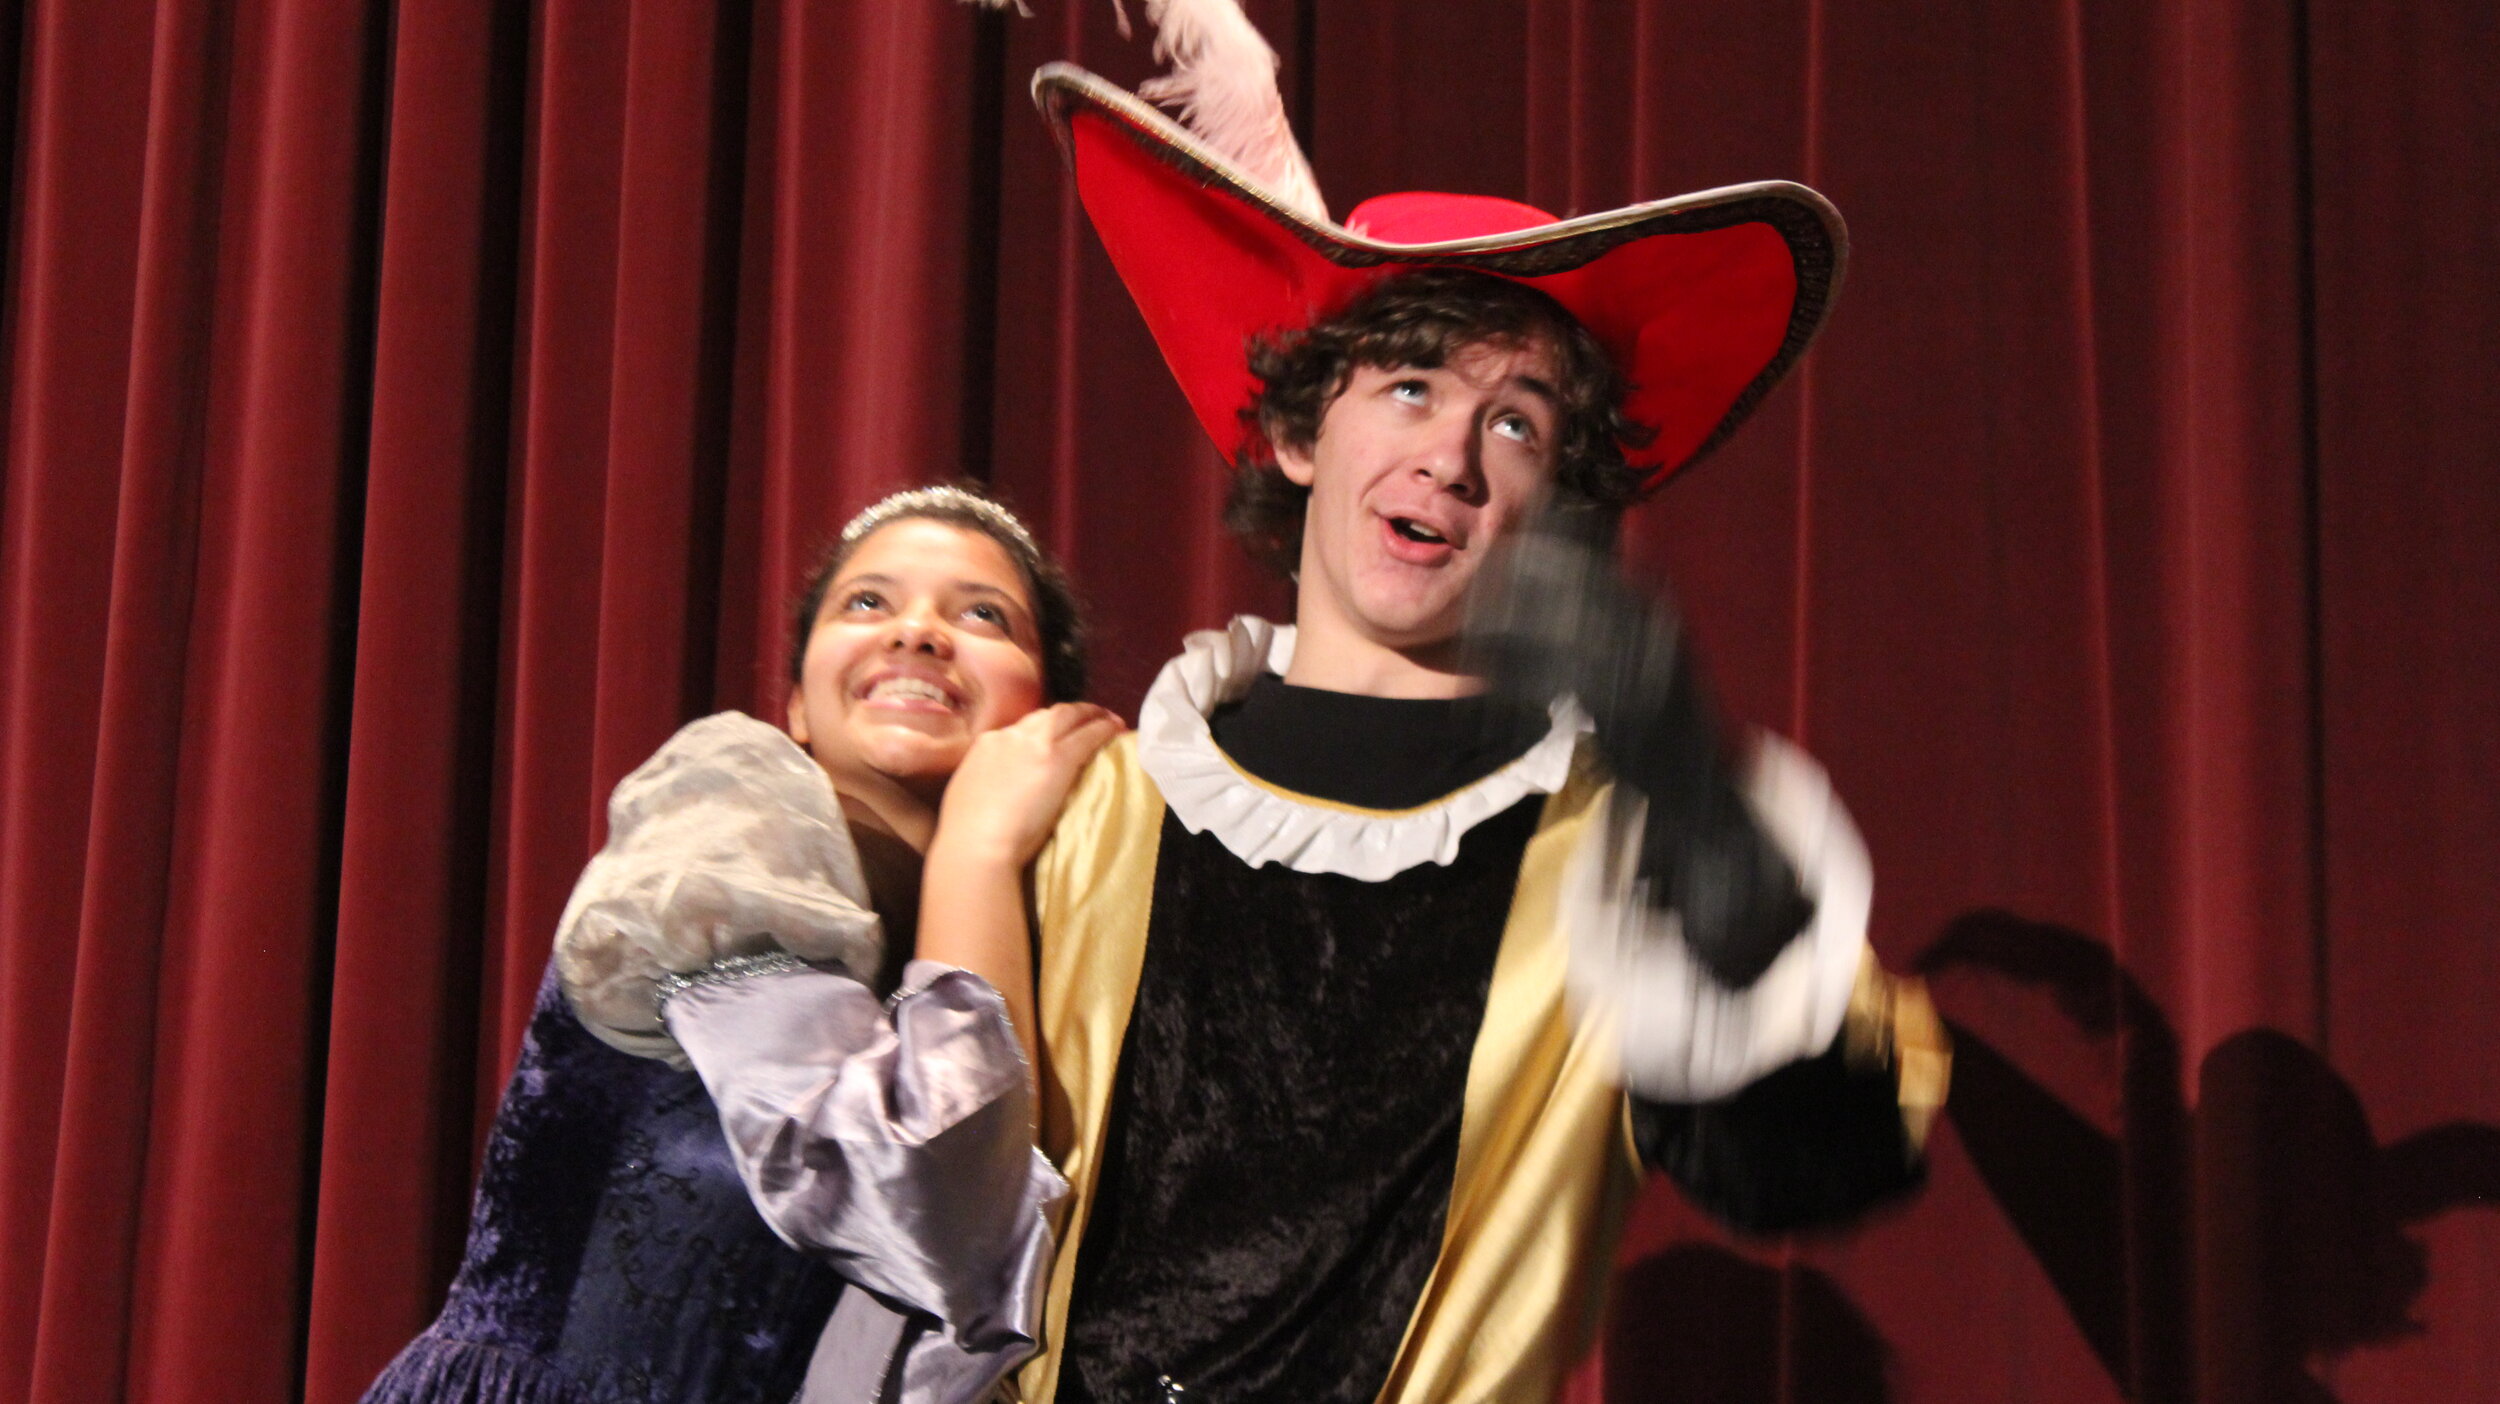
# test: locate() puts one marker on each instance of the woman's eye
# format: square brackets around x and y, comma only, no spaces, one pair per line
[987,614]
[862,602]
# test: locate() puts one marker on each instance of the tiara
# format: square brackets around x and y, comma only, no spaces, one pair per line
[924,501]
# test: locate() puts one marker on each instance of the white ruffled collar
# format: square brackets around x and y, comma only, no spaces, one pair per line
[1262,824]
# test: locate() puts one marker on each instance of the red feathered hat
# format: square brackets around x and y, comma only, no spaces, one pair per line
[1704,300]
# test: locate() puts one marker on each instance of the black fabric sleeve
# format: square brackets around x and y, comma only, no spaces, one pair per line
[1809,1146]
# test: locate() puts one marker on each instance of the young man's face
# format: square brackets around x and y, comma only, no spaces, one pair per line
[1413,476]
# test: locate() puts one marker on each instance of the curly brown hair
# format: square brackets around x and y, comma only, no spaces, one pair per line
[1424,318]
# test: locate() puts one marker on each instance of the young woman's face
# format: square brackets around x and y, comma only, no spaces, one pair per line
[926,638]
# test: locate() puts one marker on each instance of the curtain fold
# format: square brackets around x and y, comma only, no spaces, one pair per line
[73,235]
[400,1079]
[414,412]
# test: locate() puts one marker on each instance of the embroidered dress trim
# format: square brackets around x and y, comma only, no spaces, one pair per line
[727,970]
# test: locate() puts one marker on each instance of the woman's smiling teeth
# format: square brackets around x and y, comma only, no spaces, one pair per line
[908,689]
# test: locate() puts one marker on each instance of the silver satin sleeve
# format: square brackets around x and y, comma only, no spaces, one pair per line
[895,1141]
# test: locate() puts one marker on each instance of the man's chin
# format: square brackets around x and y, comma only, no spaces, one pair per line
[1410,626]
[1432,645]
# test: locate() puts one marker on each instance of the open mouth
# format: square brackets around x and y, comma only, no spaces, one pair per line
[903,690]
[1414,530]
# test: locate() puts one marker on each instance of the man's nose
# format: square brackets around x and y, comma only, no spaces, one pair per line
[1450,454]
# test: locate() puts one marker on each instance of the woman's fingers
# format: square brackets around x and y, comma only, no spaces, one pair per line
[1054,733]
[1067,717]
[1008,792]
[1085,729]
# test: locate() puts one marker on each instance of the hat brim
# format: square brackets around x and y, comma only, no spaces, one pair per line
[1704,300]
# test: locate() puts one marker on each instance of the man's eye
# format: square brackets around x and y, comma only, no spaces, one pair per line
[1409,392]
[1517,427]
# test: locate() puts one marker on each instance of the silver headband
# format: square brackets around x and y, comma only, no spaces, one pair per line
[922,502]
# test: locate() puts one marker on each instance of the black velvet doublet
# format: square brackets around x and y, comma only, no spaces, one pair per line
[1286,1116]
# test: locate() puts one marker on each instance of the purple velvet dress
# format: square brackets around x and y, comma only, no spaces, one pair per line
[682,1066]
[613,1256]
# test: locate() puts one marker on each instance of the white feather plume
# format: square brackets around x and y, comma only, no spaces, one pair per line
[1223,82]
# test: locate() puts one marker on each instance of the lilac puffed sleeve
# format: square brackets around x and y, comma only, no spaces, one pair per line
[893,1139]
[728,843]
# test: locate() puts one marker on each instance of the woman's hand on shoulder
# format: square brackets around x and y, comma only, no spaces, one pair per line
[1003,800]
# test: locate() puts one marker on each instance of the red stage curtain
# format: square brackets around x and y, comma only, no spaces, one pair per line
[415,411]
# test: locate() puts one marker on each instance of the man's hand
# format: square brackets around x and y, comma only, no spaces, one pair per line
[1554,616]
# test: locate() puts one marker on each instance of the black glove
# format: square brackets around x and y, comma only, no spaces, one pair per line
[1553,615]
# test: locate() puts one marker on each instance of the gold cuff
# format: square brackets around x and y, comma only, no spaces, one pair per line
[1893,1023]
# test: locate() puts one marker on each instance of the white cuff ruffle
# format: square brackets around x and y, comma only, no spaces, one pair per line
[1685,1036]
